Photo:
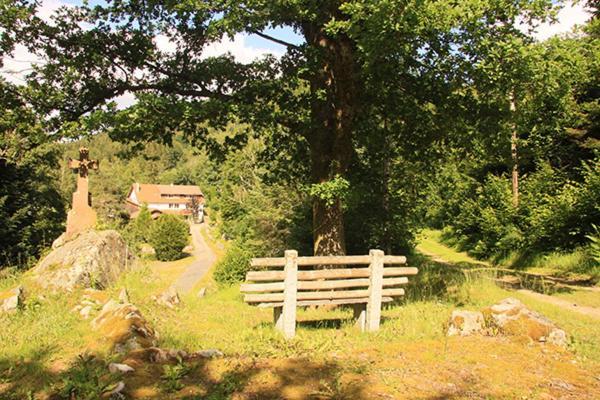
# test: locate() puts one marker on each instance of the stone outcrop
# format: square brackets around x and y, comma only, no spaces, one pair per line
[11,300]
[159,355]
[124,327]
[511,317]
[92,259]
[508,317]
[464,323]
[169,298]
[91,302]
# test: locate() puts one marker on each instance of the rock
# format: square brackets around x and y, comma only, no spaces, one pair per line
[465,323]
[147,250]
[511,317]
[115,391]
[92,259]
[94,296]
[210,353]
[59,241]
[11,300]
[169,298]
[122,368]
[86,311]
[124,326]
[158,355]
[188,249]
[123,296]
[202,292]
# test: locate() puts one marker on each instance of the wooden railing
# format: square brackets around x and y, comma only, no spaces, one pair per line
[365,288]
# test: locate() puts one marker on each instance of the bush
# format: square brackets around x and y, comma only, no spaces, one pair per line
[233,267]
[168,236]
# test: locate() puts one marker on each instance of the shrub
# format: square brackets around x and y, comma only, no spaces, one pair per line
[168,236]
[233,267]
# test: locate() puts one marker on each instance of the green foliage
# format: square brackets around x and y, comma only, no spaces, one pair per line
[32,209]
[555,212]
[86,379]
[233,267]
[331,190]
[168,236]
[139,229]
[172,376]
[595,245]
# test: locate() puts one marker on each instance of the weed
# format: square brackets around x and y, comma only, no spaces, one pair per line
[172,376]
[227,386]
[86,379]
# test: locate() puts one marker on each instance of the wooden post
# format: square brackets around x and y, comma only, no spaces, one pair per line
[288,317]
[375,290]
[360,315]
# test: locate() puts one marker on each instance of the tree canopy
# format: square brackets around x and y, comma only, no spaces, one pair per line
[400,68]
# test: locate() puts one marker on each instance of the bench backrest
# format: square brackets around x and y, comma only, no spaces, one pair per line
[346,280]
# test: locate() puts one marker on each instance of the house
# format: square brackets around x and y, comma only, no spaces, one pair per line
[166,199]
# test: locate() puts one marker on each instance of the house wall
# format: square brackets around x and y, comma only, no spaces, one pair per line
[165,206]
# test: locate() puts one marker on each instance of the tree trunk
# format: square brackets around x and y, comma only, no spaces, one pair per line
[334,104]
[385,198]
[514,154]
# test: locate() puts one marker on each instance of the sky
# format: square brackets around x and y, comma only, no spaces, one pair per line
[246,48]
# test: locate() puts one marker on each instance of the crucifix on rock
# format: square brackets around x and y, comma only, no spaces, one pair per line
[81,217]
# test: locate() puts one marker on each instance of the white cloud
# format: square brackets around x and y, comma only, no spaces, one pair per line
[573,13]
[239,48]
[15,68]
[125,100]
[19,64]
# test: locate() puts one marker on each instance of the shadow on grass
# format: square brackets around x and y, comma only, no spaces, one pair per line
[21,376]
[87,377]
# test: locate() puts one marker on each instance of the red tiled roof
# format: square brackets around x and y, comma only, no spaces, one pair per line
[176,194]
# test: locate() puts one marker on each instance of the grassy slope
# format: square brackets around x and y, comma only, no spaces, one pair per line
[429,243]
[410,357]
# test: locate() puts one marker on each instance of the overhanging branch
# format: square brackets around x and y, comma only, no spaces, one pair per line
[275,40]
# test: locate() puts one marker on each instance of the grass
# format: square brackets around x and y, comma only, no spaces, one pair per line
[409,357]
[581,297]
[430,243]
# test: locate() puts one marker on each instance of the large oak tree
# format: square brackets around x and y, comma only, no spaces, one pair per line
[389,66]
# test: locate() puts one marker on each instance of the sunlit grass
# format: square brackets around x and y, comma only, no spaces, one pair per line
[429,243]
[47,335]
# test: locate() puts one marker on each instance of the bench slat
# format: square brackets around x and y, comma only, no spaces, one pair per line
[266,276]
[325,260]
[319,285]
[329,295]
[306,303]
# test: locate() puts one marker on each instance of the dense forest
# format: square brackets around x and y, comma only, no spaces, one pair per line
[353,140]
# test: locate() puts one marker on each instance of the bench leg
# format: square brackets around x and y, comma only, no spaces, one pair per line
[360,315]
[278,318]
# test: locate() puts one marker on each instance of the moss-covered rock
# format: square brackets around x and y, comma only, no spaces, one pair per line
[92,259]
[124,327]
[511,317]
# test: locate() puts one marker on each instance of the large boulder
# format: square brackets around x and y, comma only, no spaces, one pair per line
[92,259]
[124,327]
[511,317]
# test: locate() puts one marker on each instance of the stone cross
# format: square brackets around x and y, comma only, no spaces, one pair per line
[81,217]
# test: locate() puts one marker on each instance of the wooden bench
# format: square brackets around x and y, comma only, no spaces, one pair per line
[366,288]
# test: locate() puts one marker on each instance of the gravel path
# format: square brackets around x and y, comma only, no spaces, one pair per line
[204,258]
[568,305]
